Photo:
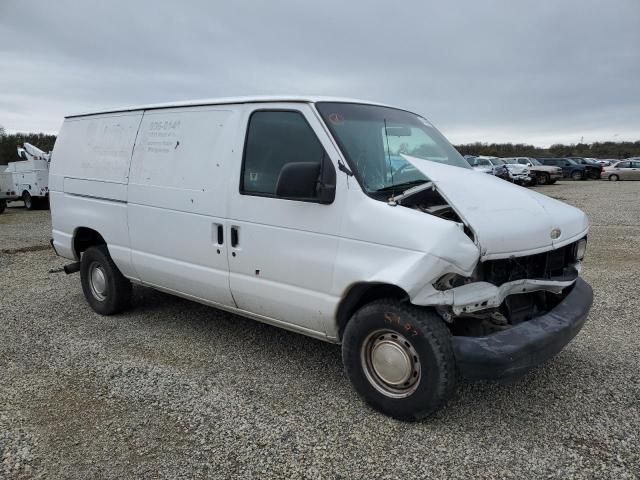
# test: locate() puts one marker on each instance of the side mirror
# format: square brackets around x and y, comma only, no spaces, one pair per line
[305,180]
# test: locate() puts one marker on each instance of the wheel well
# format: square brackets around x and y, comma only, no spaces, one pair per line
[85,238]
[362,293]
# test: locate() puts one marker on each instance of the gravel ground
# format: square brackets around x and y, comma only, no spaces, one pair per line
[173,389]
[21,229]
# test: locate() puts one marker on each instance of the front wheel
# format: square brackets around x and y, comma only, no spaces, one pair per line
[543,179]
[614,178]
[399,359]
[107,291]
[577,175]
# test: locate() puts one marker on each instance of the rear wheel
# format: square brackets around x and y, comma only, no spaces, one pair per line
[28,201]
[577,175]
[107,291]
[399,359]
[614,178]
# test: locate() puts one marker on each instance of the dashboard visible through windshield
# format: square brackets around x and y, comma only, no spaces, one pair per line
[373,140]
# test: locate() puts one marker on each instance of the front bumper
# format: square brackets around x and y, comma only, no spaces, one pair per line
[515,351]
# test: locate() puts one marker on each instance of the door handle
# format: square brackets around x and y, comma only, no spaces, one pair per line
[220,234]
[234,236]
[217,234]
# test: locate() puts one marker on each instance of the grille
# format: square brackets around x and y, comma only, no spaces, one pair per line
[539,266]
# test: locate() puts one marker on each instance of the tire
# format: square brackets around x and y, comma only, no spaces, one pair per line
[614,178]
[107,291]
[543,179]
[3,206]
[594,176]
[577,175]
[29,204]
[420,343]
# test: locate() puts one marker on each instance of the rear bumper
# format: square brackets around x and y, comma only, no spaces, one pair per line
[515,351]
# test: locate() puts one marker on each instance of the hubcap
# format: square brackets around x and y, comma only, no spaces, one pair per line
[98,281]
[390,363]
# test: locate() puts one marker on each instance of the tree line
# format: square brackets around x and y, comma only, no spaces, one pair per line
[9,141]
[610,150]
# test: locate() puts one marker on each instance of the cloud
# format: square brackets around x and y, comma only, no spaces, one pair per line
[495,70]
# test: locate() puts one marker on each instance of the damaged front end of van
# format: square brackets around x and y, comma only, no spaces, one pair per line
[524,299]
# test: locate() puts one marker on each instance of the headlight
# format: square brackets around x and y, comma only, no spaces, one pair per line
[581,249]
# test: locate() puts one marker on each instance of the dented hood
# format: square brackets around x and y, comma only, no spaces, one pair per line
[506,219]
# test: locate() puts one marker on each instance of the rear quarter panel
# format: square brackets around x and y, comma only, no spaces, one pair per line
[87,182]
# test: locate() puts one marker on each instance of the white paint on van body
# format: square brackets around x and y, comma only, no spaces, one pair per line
[158,208]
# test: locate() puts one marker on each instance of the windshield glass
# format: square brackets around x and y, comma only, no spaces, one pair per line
[498,161]
[534,161]
[512,161]
[373,138]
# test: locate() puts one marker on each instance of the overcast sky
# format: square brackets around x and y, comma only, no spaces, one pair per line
[524,71]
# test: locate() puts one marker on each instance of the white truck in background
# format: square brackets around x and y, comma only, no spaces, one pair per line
[27,179]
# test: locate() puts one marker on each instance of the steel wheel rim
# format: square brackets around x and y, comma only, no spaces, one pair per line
[390,363]
[98,281]
[27,201]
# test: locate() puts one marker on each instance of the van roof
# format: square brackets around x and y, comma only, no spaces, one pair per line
[228,101]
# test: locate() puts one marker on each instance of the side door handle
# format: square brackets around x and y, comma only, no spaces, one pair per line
[234,236]
[217,234]
[220,234]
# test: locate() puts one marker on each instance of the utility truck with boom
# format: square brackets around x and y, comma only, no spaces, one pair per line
[27,179]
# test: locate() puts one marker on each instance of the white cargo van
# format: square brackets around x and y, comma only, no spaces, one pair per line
[351,222]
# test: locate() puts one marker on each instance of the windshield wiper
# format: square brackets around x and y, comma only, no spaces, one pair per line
[393,201]
[400,186]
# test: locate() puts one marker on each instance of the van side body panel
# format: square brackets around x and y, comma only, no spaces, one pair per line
[177,200]
[88,183]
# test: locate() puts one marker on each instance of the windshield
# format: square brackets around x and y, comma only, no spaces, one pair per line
[373,140]
[534,161]
[498,161]
[512,161]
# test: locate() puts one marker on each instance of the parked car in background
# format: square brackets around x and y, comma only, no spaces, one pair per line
[540,174]
[570,168]
[594,169]
[624,170]
[606,162]
[516,173]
